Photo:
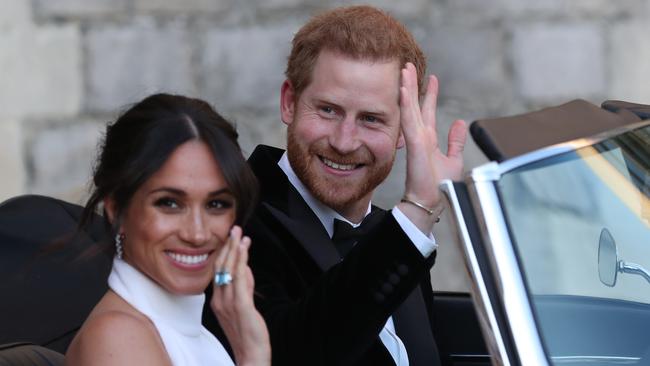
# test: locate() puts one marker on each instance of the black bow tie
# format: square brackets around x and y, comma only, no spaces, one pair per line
[346,236]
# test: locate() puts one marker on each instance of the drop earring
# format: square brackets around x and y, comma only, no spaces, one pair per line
[119,250]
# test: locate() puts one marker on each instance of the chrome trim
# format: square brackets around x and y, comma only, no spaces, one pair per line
[633,268]
[557,149]
[490,172]
[505,268]
[618,360]
[470,359]
[469,355]
[481,297]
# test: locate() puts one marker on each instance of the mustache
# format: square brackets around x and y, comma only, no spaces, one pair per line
[359,156]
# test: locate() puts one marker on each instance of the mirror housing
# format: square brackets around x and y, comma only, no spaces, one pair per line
[607,258]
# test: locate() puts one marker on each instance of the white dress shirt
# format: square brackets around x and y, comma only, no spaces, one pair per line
[426,244]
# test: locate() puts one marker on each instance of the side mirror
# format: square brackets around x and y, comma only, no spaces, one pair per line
[609,265]
[607,259]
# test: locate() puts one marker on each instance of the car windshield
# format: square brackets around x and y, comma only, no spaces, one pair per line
[580,224]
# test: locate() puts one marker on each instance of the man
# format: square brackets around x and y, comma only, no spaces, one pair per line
[350,100]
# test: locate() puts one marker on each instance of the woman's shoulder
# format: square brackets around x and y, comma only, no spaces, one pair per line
[113,314]
[115,334]
[119,322]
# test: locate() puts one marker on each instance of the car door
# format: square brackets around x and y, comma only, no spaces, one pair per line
[557,242]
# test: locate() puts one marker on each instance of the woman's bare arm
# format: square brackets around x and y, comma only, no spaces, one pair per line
[117,338]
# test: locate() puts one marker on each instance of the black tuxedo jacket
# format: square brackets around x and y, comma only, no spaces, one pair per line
[321,310]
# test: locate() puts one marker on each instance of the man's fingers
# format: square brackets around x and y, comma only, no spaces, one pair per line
[409,103]
[413,82]
[456,139]
[430,102]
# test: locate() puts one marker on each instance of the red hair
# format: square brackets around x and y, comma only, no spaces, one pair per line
[359,32]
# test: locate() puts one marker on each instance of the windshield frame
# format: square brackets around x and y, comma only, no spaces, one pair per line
[493,171]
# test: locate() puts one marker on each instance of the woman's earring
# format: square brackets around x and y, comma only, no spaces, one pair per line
[119,251]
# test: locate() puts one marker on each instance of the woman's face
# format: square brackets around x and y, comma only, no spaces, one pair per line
[179,219]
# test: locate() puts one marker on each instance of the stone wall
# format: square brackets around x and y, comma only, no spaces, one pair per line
[69,66]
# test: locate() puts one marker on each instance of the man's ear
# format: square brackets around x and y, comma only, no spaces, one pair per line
[287,102]
[400,140]
[110,209]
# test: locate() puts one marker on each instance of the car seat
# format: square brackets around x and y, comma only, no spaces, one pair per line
[50,281]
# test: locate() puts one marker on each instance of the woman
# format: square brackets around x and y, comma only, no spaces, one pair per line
[175,188]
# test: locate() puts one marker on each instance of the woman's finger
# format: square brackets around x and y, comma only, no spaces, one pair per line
[233,252]
[222,255]
[244,286]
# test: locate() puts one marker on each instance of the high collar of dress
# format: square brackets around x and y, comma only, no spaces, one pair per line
[182,312]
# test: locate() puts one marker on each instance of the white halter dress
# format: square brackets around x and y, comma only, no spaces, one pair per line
[176,317]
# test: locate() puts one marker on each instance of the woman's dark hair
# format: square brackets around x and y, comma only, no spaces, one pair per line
[141,140]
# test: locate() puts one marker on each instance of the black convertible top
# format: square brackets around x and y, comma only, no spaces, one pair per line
[503,138]
[47,289]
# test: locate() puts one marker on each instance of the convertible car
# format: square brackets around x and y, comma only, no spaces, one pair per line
[552,229]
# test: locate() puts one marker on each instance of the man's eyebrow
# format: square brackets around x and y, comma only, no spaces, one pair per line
[327,100]
[379,113]
[330,101]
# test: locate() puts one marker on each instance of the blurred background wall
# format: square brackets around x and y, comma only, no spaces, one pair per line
[69,66]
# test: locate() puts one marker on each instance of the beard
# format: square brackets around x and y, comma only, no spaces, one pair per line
[338,193]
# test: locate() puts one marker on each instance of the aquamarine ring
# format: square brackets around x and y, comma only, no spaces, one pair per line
[222,278]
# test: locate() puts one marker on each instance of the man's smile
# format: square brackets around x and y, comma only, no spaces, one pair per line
[338,166]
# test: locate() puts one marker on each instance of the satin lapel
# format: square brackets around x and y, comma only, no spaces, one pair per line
[309,231]
[415,332]
[303,224]
[284,203]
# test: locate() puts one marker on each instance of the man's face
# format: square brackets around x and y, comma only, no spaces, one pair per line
[344,129]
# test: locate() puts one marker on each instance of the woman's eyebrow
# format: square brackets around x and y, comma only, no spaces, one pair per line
[180,192]
[220,191]
[175,191]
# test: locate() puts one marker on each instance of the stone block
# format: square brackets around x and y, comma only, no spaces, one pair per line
[185,6]
[556,62]
[244,67]
[126,63]
[42,66]
[515,8]
[61,158]
[282,4]
[466,12]
[12,162]
[79,8]
[470,63]
[629,58]
[15,13]
[258,127]
[462,10]
[400,9]
[589,8]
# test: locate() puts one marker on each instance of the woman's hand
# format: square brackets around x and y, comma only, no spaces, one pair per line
[234,307]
